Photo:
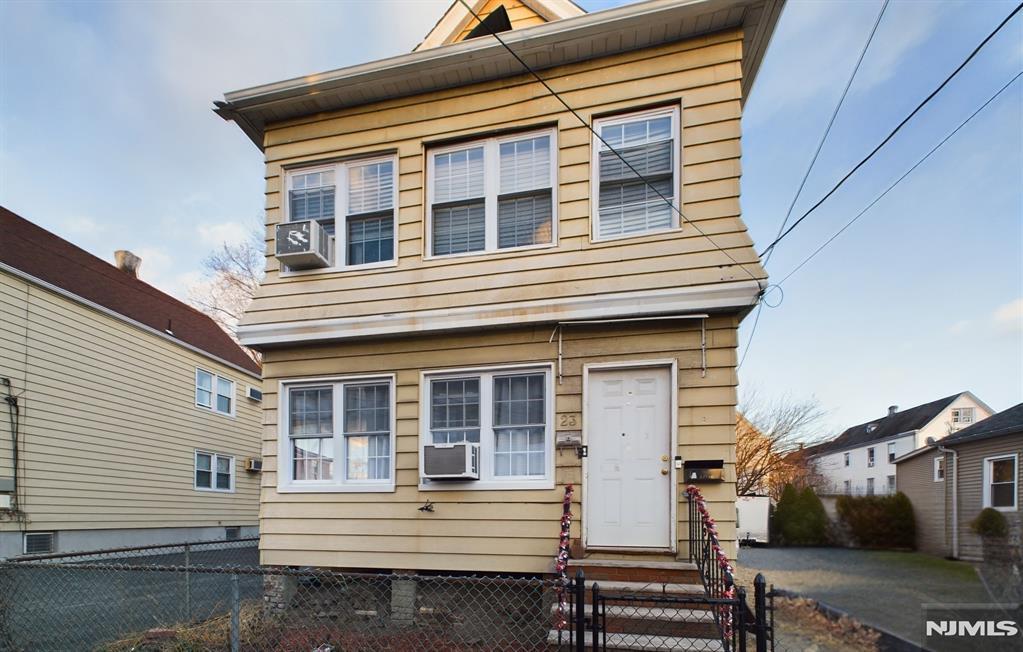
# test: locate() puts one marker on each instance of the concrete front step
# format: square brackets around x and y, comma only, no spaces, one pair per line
[644,588]
[632,563]
[636,570]
[643,642]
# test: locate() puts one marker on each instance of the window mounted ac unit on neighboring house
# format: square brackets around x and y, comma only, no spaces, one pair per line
[254,393]
[303,245]
[254,465]
[452,461]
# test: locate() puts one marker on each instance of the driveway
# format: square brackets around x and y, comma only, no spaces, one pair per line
[879,588]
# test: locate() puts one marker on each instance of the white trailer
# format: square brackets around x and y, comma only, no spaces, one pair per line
[751,516]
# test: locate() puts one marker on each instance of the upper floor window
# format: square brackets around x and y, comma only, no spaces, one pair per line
[214,472]
[891,451]
[939,469]
[962,416]
[338,435]
[639,194]
[507,411]
[492,195]
[355,203]
[845,459]
[1000,482]
[870,457]
[214,392]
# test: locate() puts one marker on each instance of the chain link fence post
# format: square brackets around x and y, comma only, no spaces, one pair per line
[236,612]
[188,584]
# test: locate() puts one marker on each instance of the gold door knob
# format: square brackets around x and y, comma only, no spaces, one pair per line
[664,458]
[664,471]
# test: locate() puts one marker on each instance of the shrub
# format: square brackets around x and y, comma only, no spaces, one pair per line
[800,519]
[990,523]
[878,521]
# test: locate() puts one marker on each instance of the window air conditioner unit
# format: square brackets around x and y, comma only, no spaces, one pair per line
[459,461]
[254,465]
[303,245]
[254,393]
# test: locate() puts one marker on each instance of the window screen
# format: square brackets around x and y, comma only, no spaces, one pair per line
[311,197]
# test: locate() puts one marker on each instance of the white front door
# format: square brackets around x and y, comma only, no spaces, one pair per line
[627,490]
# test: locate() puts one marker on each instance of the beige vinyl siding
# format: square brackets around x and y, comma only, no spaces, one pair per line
[971,489]
[915,478]
[519,16]
[509,531]
[702,74]
[109,422]
[13,352]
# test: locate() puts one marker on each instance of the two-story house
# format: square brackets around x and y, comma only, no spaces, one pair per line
[126,416]
[861,460]
[479,291]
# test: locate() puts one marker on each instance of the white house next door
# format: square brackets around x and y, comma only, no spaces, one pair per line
[627,490]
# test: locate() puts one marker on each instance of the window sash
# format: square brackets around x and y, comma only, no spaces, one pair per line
[362,215]
[214,392]
[213,472]
[514,427]
[511,206]
[338,433]
[939,469]
[203,388]
[1001,477]
[870,457]
[624,205]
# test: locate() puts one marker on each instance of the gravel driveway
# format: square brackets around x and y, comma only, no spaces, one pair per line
[880,588]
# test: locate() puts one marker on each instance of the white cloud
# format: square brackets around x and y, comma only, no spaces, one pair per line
[215,235]
[1008,317]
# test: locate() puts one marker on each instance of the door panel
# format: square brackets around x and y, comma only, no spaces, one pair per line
[628,434]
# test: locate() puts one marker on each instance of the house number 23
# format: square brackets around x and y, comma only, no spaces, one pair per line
[568,421]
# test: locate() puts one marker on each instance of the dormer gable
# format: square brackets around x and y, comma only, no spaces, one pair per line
[457,22]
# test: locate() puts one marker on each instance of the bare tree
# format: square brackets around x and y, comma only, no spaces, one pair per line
[768,438]
[231,274]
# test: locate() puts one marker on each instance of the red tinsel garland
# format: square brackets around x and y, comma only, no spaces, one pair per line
[710,527]
[561,561]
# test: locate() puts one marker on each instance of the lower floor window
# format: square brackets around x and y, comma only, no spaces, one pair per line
[505,411]
[214,472]
[338,434]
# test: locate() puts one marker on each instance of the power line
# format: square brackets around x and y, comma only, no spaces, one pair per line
[827,130]
[586,124]
[891,135]
[899,180]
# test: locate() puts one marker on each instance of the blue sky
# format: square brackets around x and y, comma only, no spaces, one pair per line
[107,139]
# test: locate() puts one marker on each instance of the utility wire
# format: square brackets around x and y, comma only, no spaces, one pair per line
[891,135]
[899,180]
[827,130]
[586,124]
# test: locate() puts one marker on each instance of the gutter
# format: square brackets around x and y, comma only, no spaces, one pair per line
[955,498]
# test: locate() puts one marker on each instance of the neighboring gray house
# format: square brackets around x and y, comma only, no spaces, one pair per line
[950,481]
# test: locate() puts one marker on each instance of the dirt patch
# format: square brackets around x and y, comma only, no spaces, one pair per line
[800,626]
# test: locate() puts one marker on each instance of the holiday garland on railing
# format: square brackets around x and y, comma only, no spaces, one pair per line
[561,561]
[718,555]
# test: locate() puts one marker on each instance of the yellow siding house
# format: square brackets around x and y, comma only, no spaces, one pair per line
[476,296]
[126,418]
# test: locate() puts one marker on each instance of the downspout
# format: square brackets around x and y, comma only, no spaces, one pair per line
[955,499]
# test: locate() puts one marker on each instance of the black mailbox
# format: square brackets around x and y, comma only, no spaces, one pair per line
[704,471]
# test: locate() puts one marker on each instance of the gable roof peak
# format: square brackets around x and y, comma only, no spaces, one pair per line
[456,23]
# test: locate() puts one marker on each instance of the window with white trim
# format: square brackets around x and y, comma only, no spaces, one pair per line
[338,435]
[213,471]
[870,486]
[962,416]
[891,451]
[847,487]
[939,469]
[624,203]
[492,195]
[214,392]
[845,459]
[1000,477]
[507,411]
[870,457]
[891,484]
[363,194]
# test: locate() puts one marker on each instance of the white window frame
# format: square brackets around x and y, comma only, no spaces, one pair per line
[871,489]
[491,191]
[871,458]
[339,483]
[214,456]
[487,481]
[339,241]
[847,487]
[959,413]
[891,452]
[53,542]
[676,174]
[988,463]
[214,393]
[892,484]
[845,459]
[939,468]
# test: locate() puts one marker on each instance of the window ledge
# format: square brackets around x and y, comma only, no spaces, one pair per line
[214,491]
[487,485]
[337,269]
[335,488]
